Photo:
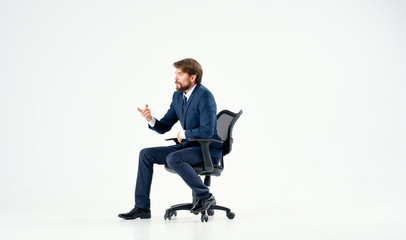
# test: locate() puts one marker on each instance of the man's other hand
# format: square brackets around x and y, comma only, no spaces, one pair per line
[146,113]
[180,140]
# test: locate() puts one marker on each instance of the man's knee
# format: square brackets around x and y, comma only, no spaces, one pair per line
[145,155]
[173,160]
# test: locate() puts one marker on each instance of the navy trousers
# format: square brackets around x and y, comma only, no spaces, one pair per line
[179,160]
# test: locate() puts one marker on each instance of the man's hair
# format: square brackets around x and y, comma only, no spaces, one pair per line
[191,67]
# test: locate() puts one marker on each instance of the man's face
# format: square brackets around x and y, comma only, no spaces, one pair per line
[183,81]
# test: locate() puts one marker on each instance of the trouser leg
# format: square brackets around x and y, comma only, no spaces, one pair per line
[181,161]
[148,157]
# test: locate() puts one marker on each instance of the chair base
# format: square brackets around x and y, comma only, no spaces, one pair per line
[172,211]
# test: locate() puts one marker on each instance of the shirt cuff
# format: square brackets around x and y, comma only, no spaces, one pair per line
[152,122]
[182,134]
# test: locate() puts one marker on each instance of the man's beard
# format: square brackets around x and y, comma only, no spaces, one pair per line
[183,88]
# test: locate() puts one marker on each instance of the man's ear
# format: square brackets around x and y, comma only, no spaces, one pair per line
[193,78]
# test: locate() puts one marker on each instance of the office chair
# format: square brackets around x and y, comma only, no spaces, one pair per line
[225,123]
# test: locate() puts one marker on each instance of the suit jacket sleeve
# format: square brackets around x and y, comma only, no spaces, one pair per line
[166,123]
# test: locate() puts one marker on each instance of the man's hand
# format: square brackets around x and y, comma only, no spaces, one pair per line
[146,113]
[180,140]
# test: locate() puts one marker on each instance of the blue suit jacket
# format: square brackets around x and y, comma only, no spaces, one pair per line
[199,118]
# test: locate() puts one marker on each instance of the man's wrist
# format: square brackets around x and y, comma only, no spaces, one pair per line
[152,122]
[182,134]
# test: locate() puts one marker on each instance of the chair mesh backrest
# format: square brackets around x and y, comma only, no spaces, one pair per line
[225,124]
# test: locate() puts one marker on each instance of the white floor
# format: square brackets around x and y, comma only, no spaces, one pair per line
[291,221]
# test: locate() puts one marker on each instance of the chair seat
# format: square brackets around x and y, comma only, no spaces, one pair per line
[199,169]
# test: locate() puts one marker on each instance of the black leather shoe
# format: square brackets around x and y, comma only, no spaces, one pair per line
[136,213]
[203,204]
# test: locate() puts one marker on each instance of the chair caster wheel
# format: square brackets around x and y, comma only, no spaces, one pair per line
[230,215]
[210,212]
[168,215]
[204,218]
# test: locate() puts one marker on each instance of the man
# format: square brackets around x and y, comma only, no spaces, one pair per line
[194,106]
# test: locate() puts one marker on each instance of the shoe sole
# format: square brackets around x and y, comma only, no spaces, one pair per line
[132,218]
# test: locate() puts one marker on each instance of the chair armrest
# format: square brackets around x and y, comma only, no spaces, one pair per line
[173,139]
[204,143]
[210,140]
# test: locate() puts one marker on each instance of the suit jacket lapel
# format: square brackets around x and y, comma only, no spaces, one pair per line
[188,104]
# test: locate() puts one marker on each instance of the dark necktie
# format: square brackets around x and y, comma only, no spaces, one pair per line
[184,103]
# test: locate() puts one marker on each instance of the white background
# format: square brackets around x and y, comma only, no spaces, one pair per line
[319,150]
